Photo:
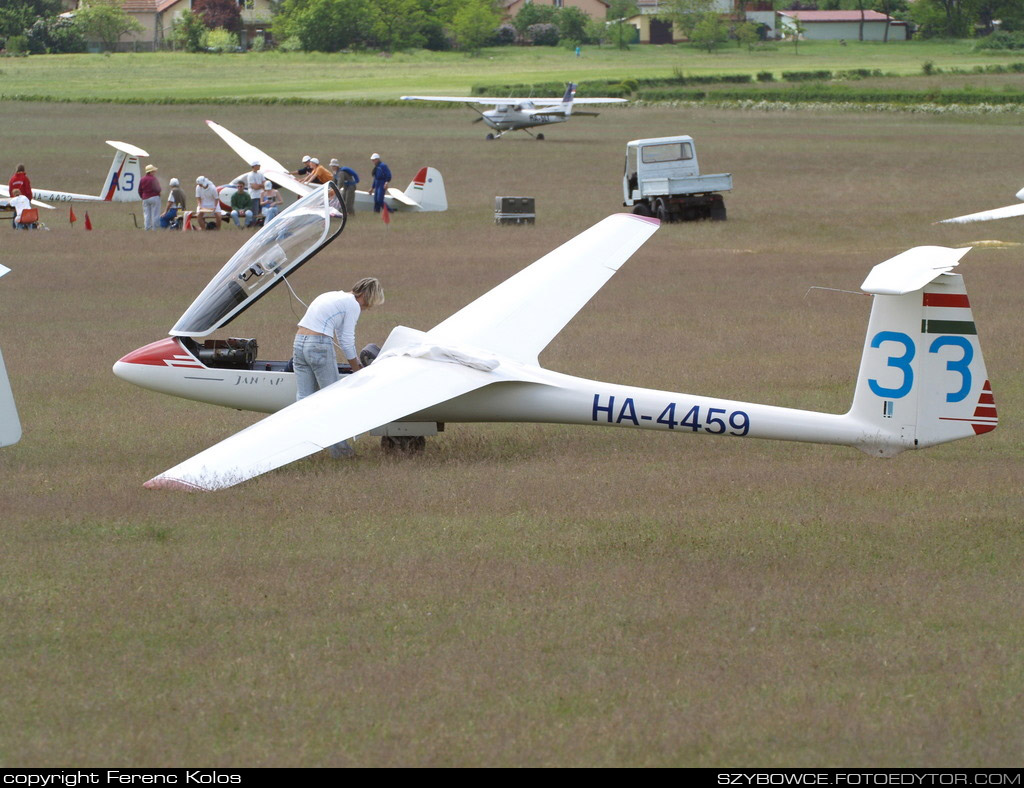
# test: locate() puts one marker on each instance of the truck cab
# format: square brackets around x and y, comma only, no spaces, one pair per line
[662,178]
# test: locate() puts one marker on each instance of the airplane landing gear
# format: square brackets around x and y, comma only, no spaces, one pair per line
[540,136]
[394,445]
[489,137]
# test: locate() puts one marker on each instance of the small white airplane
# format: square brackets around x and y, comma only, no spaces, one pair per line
[523,114]
[425,193]
[987,216]
[922,378]
[120,185]
[10,426]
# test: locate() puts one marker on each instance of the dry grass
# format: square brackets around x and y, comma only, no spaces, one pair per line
[532,595]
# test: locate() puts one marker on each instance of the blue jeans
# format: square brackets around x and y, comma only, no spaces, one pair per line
[316,367]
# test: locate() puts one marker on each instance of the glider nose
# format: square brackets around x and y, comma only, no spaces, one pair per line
[139,366]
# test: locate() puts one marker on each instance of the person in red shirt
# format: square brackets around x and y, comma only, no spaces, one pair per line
[20,181]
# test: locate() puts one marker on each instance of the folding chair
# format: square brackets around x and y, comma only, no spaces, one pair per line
[30,217]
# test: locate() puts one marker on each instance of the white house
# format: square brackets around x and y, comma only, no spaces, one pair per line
[824,25]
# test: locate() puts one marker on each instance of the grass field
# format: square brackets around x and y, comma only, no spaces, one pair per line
[517,595]
[361,76]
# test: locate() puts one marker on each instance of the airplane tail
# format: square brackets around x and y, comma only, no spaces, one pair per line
[922,377]
[122,181]
[567,99]
[427,190]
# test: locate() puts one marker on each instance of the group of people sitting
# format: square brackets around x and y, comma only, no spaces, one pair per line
[254,201]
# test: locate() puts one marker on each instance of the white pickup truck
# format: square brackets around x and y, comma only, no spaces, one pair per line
[663,179]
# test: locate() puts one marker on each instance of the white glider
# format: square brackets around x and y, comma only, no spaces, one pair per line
[120,185]
[426,192]
[10,426]
[987,216]
[922,377]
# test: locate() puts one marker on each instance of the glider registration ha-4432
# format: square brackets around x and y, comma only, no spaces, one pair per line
[120,185]
[523,114]
[922,379]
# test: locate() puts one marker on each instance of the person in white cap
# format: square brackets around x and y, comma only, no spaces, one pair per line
[320,174]
[254,183]
[381,179]
[207,201]
[305,169]
[175,204]
[271,202]
[149,191]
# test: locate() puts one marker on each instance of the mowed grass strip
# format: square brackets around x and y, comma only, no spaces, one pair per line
[349,76]
[518,594]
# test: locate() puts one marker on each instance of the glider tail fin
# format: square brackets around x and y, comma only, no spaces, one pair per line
[427,190]
[122,181]
[922,377]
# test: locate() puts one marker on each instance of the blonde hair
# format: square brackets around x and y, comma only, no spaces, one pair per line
[371,290]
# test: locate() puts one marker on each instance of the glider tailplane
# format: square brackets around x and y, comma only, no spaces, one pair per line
[427,190]
[922,377]
[122,181]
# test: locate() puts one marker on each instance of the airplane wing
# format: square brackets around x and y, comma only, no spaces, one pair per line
[388,389]
[519,317]
[5,194]
[470,100]
[987,216]
[269,166]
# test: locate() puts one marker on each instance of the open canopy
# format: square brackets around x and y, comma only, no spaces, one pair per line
[285,243]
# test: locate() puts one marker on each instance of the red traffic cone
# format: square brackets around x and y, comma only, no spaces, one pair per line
[71,214]
[88,224]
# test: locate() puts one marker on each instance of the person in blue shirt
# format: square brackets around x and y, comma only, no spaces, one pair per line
[381,179]
[345,178]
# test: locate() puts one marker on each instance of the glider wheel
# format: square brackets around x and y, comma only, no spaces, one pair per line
[540,136]
[489,137]
[403,444]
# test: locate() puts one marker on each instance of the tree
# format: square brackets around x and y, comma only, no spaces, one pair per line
[219,13]
[709,32]
[619,12]
[685,15]
[17,16]
[473,25]
[325,25]
[398,24]
[188,32]
[106,21]
[944,18]
[572,24]
[55,35]
[747,34]
[533,14]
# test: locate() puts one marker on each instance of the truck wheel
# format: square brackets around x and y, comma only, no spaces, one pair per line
[662,212]
[718,212]
[642,209]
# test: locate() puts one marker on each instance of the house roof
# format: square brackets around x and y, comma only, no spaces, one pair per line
[836,16]
[147,6]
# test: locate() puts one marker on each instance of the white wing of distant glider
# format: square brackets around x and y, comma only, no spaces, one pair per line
[269,166]
[506,101]
[496,338]
[987,216]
